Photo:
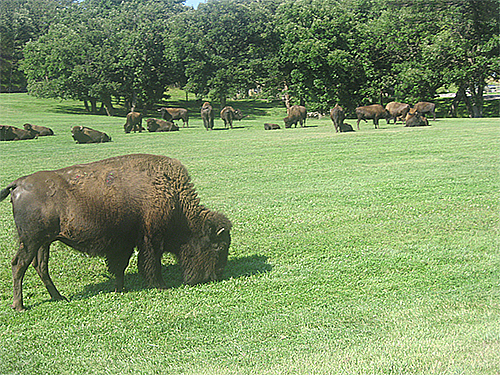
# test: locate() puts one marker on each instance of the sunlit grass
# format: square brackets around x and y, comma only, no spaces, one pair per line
[370,252]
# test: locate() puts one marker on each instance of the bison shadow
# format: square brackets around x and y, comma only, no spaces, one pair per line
[236,268]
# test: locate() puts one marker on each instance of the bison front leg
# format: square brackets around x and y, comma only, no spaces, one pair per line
[41,264]
[149,264]
[20,263]
[117,263]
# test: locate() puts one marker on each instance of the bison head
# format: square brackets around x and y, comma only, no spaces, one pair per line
[152,125]
[204,257]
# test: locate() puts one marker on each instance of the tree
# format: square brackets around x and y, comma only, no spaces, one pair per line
[224,46]
[103,49]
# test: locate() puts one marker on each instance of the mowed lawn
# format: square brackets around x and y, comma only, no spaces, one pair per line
[374,252]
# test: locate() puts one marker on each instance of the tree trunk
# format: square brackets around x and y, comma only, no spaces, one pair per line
[106,102]
[222,101]
[93,105]
[478,100]
[287,98]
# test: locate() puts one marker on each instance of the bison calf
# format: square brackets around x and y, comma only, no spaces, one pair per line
[155,125]
[268,126]
[40,130]
[108,208]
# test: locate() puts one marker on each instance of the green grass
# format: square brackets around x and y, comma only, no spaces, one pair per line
[374,252]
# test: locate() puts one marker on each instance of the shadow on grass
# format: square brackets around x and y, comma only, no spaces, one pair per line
[236,268]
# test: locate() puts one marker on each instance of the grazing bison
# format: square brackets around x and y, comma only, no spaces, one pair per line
[228,114]
[414,118]
[396,110]
[11,133]
[109,207]
[296,114]
[133,123]
[155,125]
[83,134]
[268,126]
[171,114]
[426,107]
[374,111]
[40,130]
[337,115]
[207,114]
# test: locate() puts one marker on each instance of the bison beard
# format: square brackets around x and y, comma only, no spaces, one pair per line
[109,207]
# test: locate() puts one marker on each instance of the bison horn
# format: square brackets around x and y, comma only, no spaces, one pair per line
[219,232]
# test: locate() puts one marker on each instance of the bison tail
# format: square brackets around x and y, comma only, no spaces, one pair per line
[4,193]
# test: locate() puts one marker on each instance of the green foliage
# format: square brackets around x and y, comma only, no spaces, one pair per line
[373,252]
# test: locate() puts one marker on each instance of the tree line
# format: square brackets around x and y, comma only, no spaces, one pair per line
[319,52]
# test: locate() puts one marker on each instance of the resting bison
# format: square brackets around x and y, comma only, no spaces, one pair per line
[155,125]
[296,114]
[374,111]
[271,126]
[82,134]
[134,122]
[171,114]
[11,133]
[414,118]
[337,115]
[40,130]
[426,107]
[345,127]
[109,207]
[228,114]
[396,110]
[207,114]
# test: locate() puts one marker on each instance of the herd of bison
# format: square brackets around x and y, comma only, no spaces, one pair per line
[110,207]
[295,115]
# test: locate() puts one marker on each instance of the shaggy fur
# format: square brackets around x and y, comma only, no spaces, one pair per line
[337,115]
[228,114]
[40,130]
[11,133]
[133,123]
[83,134]
[296,114]
[207,114]
[156,125]
[396,110]
[109,207]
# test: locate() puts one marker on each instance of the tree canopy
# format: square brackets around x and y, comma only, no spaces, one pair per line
[318,52]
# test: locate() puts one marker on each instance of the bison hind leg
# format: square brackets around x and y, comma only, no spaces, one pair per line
[41,264]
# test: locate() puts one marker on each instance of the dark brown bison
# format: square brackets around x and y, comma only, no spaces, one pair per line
[426,107]
[296,114]
[271,126]
[414,118]
[155,125]
[171,114]
[345,127]
[374,111]
[337,115]
[207,115]
[396,110]
[40,130]
[133,123]
[83,134]
[228,114]
[11,133]
[108,208]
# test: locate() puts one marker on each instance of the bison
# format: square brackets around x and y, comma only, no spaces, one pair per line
[83,134]
[268,126]
[396,110]
[426,107]
[414,118]
[155,125]
[134,122]
[228,114]
[296,114]
[11,133]
[374,111]
[345,127]
[109,207]
[40,130]
[171,114]
[337,115]
[207,114]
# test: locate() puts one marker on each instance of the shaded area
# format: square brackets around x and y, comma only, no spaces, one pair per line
[236,268]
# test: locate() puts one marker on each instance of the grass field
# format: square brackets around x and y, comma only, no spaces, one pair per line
[374,252]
